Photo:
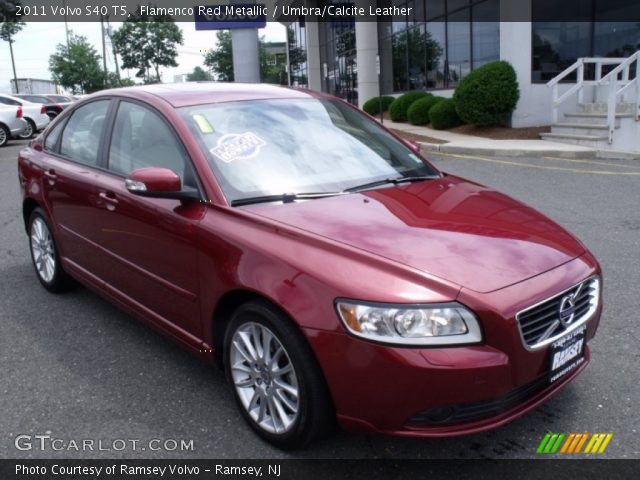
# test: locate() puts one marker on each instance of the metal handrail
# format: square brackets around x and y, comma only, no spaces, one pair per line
[610,79]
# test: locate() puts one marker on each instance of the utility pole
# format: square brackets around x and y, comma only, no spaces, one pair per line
[66,25]
[13,64]
[115,54]
[104,50]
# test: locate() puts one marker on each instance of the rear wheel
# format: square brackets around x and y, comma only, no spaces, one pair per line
[28,132]
[276,382]
[44,254]
[4,135]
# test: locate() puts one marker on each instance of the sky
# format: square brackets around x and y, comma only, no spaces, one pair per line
[38,40]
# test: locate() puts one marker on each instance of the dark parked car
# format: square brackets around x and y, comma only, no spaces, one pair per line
[54,104]
[332,270]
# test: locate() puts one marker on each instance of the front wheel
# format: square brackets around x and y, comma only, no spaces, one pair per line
[276,382]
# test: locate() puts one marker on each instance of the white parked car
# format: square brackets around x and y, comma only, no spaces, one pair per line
[11,123]
[34,113]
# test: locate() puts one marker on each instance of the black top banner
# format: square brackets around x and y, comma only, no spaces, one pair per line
[316,469]
[255,13]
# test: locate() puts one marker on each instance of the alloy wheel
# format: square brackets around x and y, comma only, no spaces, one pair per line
[43,250]
[27,132]
[264,378]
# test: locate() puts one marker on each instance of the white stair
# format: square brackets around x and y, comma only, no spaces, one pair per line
[612,120]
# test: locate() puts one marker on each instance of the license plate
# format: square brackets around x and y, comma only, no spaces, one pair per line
[566,353]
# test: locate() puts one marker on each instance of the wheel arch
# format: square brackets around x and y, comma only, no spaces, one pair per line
[29,204]
[229,303]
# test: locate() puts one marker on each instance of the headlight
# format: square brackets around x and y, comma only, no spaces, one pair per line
[441,324]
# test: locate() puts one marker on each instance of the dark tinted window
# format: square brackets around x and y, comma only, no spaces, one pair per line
[142,139]
[35,98]
[59,98]
[81,136]
[9,101]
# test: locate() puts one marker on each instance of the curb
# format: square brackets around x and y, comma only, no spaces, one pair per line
[498,152]
[616,155]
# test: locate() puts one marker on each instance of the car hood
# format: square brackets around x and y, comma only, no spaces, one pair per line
[451,228]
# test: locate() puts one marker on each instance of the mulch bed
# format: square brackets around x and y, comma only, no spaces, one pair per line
[417,138]
[502,133]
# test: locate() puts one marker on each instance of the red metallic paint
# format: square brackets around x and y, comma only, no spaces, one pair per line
[172,263]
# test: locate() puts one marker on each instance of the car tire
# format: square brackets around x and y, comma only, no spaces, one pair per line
[44,254]
[29,131]
[280,389]
[5,134]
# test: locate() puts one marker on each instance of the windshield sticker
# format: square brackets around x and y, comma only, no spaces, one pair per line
[203,123]
[238,146]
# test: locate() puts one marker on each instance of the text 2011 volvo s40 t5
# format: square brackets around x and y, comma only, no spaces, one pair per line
[331,269]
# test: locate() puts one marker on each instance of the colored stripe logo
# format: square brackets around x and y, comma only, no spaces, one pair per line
[574,443]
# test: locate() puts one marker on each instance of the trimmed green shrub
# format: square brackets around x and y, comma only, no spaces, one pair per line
[372,106]
[418,113]
[398,109]
[488,95]
[443,115]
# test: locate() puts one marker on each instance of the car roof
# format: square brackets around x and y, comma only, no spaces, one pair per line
[198,93]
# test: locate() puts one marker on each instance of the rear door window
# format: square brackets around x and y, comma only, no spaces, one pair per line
[82,133]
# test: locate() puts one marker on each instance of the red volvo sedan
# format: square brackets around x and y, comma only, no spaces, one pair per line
[322,261]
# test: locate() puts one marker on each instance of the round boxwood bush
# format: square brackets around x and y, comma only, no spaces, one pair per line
[443,115]
[488,95]
[372,106]
[418,113]
[398,109]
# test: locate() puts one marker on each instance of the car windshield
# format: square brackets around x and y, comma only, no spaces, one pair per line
[275,147]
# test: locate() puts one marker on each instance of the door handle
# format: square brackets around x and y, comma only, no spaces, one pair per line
[110,200]
[51,176]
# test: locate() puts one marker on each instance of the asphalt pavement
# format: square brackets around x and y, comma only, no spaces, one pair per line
[76,368]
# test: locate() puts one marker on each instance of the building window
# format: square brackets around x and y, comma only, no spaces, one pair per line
[297,45]
[459,35]
[338,59]
[585,32]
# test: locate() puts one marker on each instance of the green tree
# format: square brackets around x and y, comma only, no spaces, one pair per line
[220,58]
[10,25]
[199,75]
[113,81]
[145,42]
[77,67]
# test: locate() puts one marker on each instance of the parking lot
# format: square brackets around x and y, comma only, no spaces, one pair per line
[76,367]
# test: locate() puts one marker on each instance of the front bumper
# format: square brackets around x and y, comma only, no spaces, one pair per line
[438,392]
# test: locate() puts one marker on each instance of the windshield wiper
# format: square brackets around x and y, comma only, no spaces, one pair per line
[394,181]
[283,197]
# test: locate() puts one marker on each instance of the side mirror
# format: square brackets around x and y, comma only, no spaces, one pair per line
[158,182]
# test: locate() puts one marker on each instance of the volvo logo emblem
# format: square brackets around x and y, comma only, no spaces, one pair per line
[567,310]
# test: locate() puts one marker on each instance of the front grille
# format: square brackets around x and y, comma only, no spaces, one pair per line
[541,324]
[468,412]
